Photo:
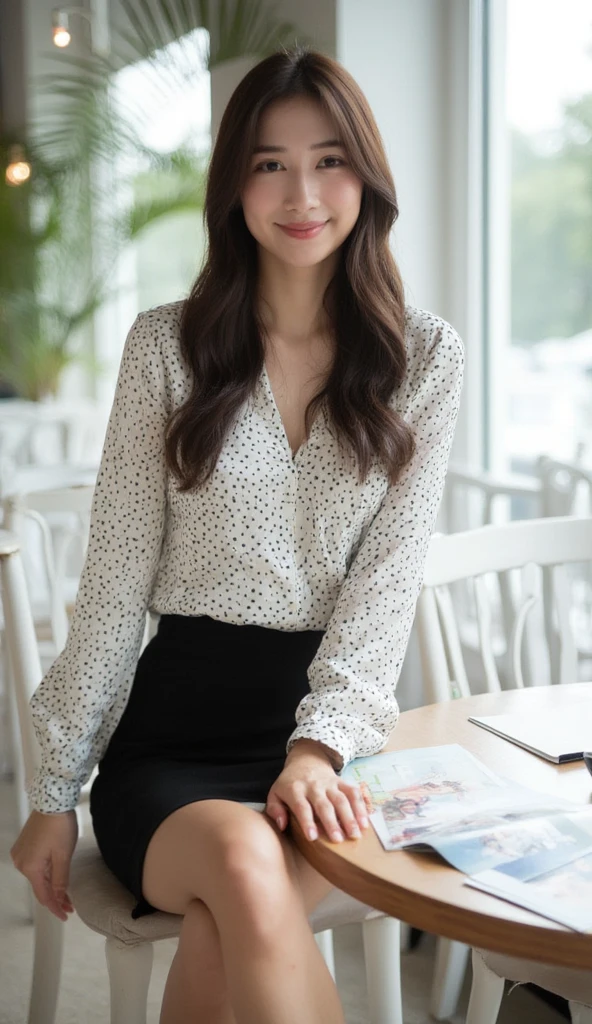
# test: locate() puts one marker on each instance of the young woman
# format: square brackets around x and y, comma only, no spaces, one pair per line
[270,479]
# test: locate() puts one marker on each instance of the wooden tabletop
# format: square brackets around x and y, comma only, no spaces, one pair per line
[423,890]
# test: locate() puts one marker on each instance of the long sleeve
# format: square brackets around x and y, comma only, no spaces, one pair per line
[87,686]
[351,707]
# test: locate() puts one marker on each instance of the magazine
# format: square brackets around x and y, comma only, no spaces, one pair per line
[513,842]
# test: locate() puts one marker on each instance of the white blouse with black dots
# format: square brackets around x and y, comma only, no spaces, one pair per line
[290,542]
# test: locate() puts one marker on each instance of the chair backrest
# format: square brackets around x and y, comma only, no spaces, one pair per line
[21,643]
[473,496]
[28,479]
[61,516]
[566,487]
[528,560]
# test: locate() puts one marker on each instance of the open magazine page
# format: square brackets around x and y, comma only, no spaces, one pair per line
[554,880]
[412,795]
[491,838]
[516,843]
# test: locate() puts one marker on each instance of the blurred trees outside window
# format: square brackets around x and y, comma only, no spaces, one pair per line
[549,106]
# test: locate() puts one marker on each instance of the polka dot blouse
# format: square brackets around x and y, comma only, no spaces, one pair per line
[290,542]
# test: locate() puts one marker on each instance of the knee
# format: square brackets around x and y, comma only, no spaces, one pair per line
[256,873]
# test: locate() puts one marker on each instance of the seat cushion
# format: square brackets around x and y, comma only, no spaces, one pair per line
[567,982]
[105,905]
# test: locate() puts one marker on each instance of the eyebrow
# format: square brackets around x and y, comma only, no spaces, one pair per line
[282,149]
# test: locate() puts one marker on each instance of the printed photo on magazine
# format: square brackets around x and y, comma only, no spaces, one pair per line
[413,794]
[515,843]
[563,894]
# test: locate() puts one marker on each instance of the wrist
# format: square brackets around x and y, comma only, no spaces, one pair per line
[314,748]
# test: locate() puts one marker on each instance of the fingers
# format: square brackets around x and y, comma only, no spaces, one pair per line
[339,807]
[303,810]
[46,891]
[276,810]
[43,891]
[59,880]
[357,801]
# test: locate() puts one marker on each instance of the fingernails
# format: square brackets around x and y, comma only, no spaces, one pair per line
[364,822]
[312,833]
[355,832]
[337,837]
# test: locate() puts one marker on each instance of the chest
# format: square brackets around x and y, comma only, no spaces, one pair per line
[294,382]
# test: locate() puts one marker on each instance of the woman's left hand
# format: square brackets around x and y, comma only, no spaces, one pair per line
[309,787]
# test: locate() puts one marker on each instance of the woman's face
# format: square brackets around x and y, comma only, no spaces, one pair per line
[298,175]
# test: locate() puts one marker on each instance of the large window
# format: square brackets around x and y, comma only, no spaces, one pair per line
[547,370]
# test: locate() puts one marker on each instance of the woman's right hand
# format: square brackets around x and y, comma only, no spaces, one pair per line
[43,852]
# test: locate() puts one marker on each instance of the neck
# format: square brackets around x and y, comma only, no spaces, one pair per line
[290,299]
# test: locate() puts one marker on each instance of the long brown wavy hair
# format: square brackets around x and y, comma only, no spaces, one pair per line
[221,330]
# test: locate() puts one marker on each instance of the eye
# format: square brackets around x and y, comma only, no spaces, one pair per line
[265,166]
[337,161]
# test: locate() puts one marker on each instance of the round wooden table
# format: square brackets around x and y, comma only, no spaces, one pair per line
[422,889]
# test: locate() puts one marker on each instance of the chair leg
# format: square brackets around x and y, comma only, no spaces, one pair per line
[47,966]
[129,969]
[449,974]
[487,993]
[382,954]
[18,764]
[324,941]
[405,931]
[580,1014]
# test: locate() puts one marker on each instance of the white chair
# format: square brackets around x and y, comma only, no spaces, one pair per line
[475,497]
[566,487]
[46,433]
[536,555]
[105,905]
[30,480]
[491,970]
[566,490]
[58,520]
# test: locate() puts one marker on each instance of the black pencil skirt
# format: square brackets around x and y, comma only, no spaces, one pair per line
[210,711]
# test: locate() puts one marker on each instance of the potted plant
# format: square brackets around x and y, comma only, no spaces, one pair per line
[60,233]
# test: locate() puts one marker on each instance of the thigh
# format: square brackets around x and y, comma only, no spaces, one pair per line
[196,848]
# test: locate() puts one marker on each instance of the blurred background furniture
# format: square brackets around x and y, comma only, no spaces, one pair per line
[52,529]
[491,970]
[534,557]
[48,434]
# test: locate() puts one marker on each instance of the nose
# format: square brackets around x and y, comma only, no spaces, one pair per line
[301,192]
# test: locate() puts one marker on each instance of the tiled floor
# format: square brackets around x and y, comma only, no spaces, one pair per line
[84,993]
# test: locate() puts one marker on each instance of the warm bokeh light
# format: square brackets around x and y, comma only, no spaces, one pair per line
[61,37]
[19,168]
[17,174]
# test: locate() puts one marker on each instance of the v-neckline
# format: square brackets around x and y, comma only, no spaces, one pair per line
[279,421]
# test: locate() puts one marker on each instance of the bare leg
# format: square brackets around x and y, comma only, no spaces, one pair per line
[248,874]
[196,989]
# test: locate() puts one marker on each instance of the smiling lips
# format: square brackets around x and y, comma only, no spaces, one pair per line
[310,229]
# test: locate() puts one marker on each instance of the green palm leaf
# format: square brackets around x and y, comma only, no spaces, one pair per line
[84,129]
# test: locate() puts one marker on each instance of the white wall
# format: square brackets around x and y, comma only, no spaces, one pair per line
[412,59]
[392,48]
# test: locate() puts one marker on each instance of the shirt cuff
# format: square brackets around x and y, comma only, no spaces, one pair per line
[336,740]
[52,794]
